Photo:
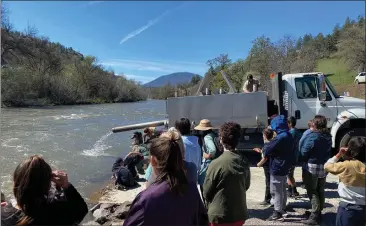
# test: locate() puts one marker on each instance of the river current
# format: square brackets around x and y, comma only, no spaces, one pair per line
[77,139]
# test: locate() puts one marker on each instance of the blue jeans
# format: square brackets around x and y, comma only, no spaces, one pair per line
[350,215]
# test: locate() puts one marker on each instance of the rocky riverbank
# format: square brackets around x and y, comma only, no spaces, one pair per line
[113,204]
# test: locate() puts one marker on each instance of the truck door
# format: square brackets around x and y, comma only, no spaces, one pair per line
[306,104]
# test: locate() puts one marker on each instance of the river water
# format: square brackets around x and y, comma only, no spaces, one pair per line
[76,139]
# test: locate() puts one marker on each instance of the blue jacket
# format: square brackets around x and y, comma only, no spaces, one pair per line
[280,150]
[296,135]
[316,148]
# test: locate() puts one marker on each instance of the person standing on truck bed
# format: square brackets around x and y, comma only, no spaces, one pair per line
[315,151]
[251,84]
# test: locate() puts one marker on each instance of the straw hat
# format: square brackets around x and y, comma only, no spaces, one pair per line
[204,125]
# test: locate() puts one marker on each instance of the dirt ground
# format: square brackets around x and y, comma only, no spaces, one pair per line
[257,213]
[297,207]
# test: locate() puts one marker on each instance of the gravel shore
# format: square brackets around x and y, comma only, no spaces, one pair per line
[257,213]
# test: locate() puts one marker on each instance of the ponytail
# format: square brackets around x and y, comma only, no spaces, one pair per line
[167,151]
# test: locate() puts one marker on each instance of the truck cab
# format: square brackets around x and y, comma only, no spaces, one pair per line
[309,94]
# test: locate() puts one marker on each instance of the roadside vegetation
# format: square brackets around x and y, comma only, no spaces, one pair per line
[340,54]
[38,72]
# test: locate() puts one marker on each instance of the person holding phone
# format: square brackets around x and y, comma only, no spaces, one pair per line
[352,185]
[36,204]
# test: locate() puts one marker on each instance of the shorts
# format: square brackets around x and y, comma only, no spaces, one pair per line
[291,172]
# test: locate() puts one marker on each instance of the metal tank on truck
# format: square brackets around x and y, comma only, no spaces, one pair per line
[302,95]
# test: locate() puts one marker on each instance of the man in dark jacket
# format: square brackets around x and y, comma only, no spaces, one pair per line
[122,174]
[281,156]
[315,151]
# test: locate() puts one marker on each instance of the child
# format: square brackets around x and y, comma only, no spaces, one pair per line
[352,185]
[268,135]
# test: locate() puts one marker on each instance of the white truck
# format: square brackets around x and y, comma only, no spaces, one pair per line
[302,95]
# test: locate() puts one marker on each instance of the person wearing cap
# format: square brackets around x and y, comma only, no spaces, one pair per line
[139,147]
[208,149]
[251,84]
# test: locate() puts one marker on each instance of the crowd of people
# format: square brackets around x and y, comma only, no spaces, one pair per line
[203,180]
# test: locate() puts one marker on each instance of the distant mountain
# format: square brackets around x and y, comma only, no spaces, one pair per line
[172,79]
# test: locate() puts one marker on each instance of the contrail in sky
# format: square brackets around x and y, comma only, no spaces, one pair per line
[149,24]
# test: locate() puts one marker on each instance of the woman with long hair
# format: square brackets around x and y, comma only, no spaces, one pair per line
[171,199]
[36,204]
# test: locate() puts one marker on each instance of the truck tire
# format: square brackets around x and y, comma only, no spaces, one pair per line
[347,135]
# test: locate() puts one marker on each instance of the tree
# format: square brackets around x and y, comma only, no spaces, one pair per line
[352,47]
[195,79]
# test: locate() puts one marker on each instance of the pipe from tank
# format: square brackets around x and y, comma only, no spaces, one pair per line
[139,126]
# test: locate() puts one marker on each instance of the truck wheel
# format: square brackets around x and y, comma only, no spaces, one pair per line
[347,135]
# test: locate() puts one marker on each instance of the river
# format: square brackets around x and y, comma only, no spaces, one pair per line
[76,139]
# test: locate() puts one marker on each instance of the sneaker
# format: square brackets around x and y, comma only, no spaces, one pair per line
[294,192]
[284,213]
[314,219]
[276,216]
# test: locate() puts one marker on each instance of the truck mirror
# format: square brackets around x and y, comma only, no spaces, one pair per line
[322,96]
[322,87]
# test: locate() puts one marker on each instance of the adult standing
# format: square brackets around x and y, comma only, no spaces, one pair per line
[251,84]
[208,149]
[308,131]
[315,151]
[227,180]
[281,157]
[193,152]
[171,199]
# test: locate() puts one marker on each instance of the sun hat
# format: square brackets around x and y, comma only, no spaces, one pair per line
[204,125]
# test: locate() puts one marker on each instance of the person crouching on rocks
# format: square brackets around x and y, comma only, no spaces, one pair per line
[131,161]
[122,175]
[36,205]
[139,147]
[171,199]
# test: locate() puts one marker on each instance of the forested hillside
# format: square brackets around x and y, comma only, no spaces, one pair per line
[38,72]
[345,47]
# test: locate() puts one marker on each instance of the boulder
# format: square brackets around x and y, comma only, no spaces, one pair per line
[101,220]
[120,212]
[108,206]
[101,213]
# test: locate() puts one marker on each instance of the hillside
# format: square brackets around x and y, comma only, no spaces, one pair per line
[38,72]
[172,79]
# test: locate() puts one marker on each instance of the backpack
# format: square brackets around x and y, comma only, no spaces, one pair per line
[218,145]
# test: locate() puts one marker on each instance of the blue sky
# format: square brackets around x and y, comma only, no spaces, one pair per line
[145,40]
